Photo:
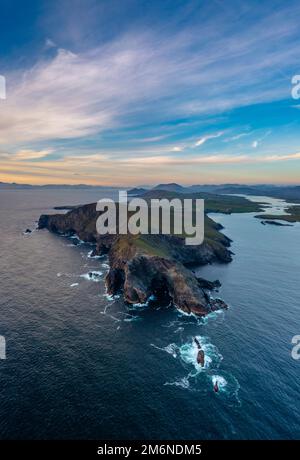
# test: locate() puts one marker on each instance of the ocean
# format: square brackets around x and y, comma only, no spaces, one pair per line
[81,365]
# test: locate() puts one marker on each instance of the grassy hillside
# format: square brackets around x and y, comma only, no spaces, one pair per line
[214,238]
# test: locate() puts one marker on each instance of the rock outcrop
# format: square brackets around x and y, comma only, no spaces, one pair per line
[200,354]
[275,222]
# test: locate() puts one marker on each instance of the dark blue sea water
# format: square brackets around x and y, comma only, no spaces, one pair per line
[80,365]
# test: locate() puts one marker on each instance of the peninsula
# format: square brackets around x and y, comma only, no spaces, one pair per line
[157,268]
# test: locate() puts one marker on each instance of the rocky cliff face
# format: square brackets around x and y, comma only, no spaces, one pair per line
[147,267]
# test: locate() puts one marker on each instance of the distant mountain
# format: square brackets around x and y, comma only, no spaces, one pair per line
[289,192]
[15,186]
[285,192]
[137,191]
[202,188]
[170,188]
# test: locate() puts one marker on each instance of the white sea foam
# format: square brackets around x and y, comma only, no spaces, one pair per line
[105,308]
[171,349]
[90,256]
[76,241]
[189,315]
[111,297]
[228,387]
[145,304]
[220,381]
[189,351]
[178,323]
[179,330]
[92,276]
[139,305]
[214,315]
[131,319]
[183,383]
[118,320]
[75,237]
[67,275]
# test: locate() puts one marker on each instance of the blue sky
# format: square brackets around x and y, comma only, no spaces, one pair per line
[139,92]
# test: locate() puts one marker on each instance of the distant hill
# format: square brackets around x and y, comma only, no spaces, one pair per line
[15,186]
[137,191]
[285,192]
[170,188]
[290,192]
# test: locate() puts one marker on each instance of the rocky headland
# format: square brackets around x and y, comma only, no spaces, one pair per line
[155,268]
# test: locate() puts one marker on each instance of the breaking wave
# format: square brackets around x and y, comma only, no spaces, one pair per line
[189,351]
[92,276]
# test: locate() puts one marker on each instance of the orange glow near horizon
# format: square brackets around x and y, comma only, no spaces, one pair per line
[48,179]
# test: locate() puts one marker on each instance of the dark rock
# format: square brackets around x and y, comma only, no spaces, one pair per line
[218,304]
[114,281]
[275,222]
[209,285]
[200,354]
[65,208]
[168,280]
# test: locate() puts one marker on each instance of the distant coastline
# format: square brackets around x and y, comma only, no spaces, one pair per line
[285,192]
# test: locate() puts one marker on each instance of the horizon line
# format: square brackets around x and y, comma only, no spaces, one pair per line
[254,184]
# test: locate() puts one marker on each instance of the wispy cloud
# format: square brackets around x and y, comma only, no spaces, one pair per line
[206,138]
[209,159]
[256,142]
[50,43]
[238,136]
[289,156]
[149,77]
[150,85]
[177,148]
[25,155]
[151,139]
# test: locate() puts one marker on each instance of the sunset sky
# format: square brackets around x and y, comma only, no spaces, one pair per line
[132,92]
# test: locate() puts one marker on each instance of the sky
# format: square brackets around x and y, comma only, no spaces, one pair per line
[134,92]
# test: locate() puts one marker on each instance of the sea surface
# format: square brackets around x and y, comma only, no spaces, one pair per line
[83,365]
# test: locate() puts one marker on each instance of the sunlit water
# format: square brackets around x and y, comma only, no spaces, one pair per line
[82,365]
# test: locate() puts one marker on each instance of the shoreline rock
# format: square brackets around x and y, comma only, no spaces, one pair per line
[275,222]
